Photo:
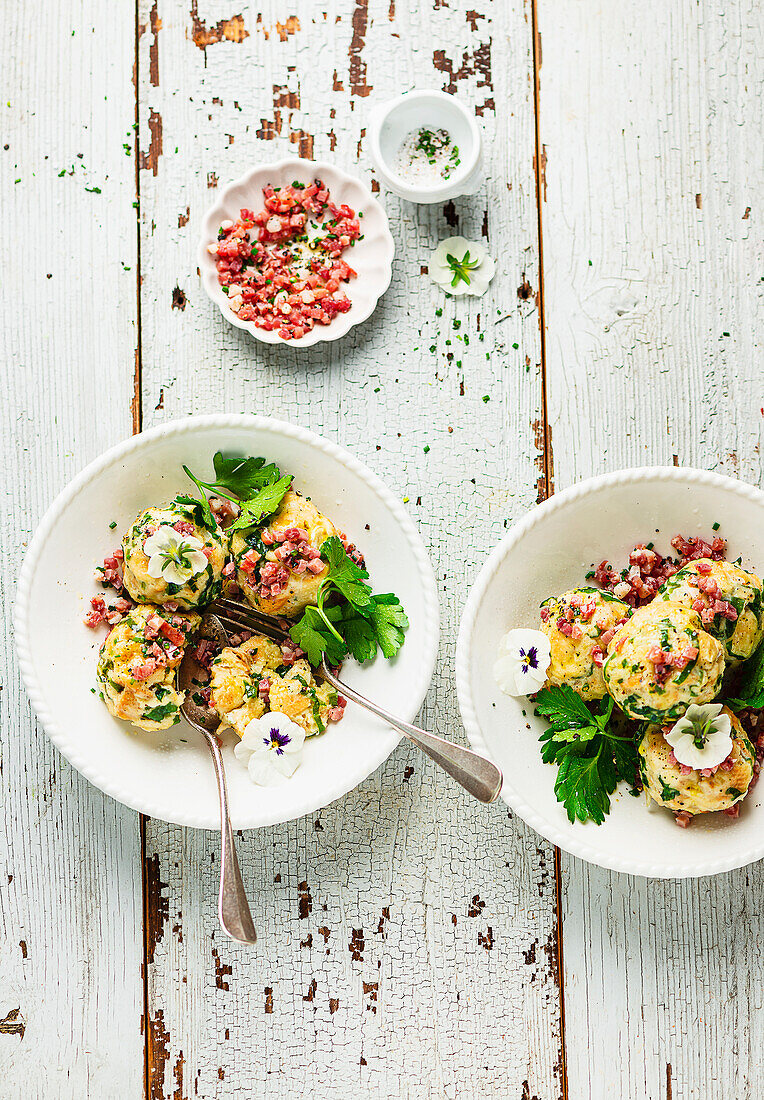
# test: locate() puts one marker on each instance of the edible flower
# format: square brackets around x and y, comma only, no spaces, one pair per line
[174,556]
[702,737]
[524,657]
[271,749]
[461,267]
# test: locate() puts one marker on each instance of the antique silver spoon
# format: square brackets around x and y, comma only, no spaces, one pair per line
[233,907]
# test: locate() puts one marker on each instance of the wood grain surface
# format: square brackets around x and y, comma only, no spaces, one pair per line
[412,944]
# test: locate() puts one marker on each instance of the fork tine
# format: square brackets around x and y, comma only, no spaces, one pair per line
[249,619]
[236,625]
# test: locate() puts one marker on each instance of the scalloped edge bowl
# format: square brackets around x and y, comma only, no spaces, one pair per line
[372,257]
[169,775]
[549,551]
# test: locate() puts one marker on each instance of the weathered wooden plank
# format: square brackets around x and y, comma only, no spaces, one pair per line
[407,938]
[71,990]
[652,130]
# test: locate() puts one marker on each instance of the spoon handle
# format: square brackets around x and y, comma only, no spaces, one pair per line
[233,907]
[475,773]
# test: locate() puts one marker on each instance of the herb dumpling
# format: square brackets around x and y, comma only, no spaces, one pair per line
[137,666]
[236,676]
[250,679]
[728,599]
[579,625]
[662,660]
[279,566]
[693,792]
[309,704]
[173,554]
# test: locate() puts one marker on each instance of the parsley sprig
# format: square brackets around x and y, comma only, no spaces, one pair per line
[591,757]
[258,489]
[348,616]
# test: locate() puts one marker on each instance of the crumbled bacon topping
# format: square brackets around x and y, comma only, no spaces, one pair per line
[283,281]
[647,570]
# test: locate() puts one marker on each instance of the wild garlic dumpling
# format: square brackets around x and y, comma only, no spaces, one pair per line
[279,566]
[137,666]
[679,788]
[728,599]
[662,660]
[579,625]
[171,554]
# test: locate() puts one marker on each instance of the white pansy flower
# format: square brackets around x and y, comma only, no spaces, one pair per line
[702,737]
[524,657]
[461,267]
[271,749]
[173,556]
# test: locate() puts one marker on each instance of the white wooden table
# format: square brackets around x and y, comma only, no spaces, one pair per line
[412,944]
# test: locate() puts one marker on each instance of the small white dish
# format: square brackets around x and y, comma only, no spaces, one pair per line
[392,122]
[371,258]
[169,775]
[549,552]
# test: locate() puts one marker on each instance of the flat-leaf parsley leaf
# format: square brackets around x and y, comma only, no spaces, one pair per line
[591,757]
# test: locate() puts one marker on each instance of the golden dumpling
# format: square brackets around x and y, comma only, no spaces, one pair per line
[137,666]
[693,792]
[279,566]
[662,660]
[186,519]
[728,599]
[579,625]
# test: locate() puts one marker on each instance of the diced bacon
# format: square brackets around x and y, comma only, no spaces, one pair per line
[606,638]
[224,511]
[545,614]
[683,819]
[272,284]
[709,587]
[316,566]
[249,561]
[229,569]
[564,627]
[576,632]
[597,656]
[177,637]
[183,527]
[142,670]
[733,811]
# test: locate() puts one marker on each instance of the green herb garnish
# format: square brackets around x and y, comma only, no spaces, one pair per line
[348,616]
[591,758]
[461,268]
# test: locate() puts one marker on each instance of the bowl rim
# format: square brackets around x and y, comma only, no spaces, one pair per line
[430,193]
[426,658]
[319,333]
[585,849]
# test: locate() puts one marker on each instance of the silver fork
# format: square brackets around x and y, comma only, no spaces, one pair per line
[233,907]
[478,776]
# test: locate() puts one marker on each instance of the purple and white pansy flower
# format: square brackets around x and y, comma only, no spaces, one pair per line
[524,657]
[271,749]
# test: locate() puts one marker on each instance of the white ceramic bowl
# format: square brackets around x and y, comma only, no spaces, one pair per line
[169,775]
[371,258]
[549,552]
[392,122]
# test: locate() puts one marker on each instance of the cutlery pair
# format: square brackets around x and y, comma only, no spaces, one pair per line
[478,776]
